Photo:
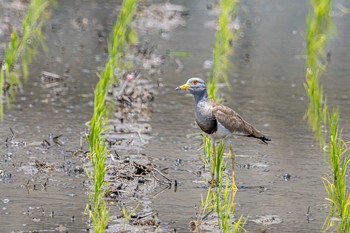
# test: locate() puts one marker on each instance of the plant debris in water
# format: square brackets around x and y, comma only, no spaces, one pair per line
[56,86]
[267,220]
[146,56]
[134,98]
[133,176]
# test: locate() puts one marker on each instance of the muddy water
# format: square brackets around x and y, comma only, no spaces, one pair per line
[266,89]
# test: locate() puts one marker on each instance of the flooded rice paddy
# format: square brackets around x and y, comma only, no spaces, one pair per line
[42,179]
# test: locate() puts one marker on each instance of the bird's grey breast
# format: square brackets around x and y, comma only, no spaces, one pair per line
[204,117]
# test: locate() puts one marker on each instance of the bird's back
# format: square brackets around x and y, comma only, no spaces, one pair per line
[234,122]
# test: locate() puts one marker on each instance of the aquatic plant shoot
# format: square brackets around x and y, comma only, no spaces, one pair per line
[119,39]
[324,122]
[21,49]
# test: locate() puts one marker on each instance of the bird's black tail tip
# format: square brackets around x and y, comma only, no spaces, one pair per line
[265,139]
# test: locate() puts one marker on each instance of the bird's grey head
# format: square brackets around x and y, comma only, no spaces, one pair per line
[195,86]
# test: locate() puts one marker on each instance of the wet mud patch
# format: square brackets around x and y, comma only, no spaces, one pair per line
[56,87]
[133,97]
[163,18]
[128,178]
[133,177]
[207,223]
[147,57]
[44,156]
[142,222]
[267,220]
[48,156]
[133,182]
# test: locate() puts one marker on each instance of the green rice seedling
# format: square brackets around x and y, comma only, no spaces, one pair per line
[224,195]
[227,209]
[33,36]
[22,48]
[220,166]
[220,198]
[224,36]
[223,48]
[319,24]
[128,216]
[335,185]
[121,36]
[213,157]
[205,209]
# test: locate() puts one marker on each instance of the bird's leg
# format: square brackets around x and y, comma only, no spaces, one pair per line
[234,186]
[214,166]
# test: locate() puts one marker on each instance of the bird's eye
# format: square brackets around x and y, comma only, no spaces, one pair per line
[195,82]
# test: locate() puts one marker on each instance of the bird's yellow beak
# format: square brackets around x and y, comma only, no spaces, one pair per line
[184,87]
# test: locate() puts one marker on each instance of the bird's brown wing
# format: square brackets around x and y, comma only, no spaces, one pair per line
[234,122]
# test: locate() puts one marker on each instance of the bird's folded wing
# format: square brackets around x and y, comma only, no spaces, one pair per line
[233,121]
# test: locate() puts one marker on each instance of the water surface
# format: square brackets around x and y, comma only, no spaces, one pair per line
[267,76]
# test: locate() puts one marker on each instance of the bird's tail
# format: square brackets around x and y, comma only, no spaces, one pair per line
[263,138]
